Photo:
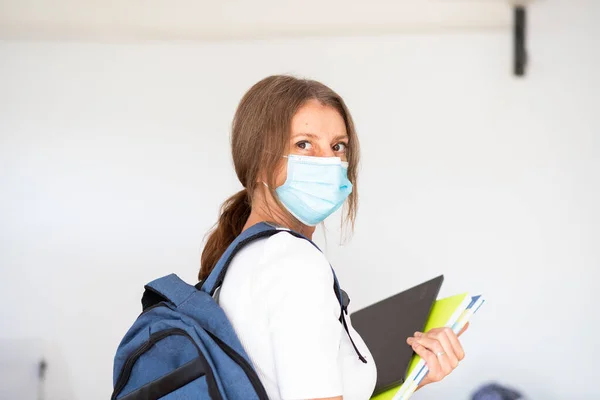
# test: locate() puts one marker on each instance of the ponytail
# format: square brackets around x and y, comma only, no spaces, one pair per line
[234,214]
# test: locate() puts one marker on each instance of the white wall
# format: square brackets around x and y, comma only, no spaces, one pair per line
[114,160]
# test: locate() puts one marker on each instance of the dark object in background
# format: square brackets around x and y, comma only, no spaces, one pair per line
[494,391]
[42,368]
[519,38]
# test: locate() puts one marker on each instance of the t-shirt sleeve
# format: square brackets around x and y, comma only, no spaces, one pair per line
[303,314]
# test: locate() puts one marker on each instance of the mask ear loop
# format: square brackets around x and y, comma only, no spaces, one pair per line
[263,182]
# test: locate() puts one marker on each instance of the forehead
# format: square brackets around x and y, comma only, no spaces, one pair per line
[318,119]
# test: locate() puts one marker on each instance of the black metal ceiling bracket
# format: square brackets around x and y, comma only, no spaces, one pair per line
[519,39]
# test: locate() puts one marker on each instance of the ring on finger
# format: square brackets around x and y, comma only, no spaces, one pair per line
[440,353]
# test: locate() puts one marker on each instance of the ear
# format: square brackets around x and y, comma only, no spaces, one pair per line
[261,177]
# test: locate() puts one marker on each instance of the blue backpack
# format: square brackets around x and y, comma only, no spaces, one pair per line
[182,346]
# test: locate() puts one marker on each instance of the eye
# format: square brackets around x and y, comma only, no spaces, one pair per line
[304,145]
[340,147]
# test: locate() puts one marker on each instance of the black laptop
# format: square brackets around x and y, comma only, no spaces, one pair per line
[385,326]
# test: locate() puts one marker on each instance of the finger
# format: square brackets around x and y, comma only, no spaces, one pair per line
[448,360]
[438,342]
[435,373]
[413,338]
[444,337]
[430,343]
[456,345]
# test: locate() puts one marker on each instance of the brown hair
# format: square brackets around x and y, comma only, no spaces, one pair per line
[259,137]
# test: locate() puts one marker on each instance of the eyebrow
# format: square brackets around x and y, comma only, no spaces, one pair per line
[313,136]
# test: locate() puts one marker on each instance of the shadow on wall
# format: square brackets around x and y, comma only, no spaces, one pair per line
[32,369]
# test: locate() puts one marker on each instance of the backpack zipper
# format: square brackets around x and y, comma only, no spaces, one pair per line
[152,340]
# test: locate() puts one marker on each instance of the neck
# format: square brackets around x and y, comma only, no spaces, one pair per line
[257,216]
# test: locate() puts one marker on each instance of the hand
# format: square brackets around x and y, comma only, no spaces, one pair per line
[441,350]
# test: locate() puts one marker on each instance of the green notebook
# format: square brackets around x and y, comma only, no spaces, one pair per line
[445,312]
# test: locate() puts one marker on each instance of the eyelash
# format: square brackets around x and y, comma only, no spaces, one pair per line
[337,144]
[344,144]
[302,142]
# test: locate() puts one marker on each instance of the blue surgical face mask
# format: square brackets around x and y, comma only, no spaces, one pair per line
[315,187]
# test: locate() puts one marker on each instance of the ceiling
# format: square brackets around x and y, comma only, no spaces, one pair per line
[132,20]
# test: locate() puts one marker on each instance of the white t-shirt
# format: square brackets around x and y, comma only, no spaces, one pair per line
[278,294]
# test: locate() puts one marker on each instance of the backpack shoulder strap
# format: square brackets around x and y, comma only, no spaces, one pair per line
[258,231]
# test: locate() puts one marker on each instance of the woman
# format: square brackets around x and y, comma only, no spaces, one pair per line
[296,153]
